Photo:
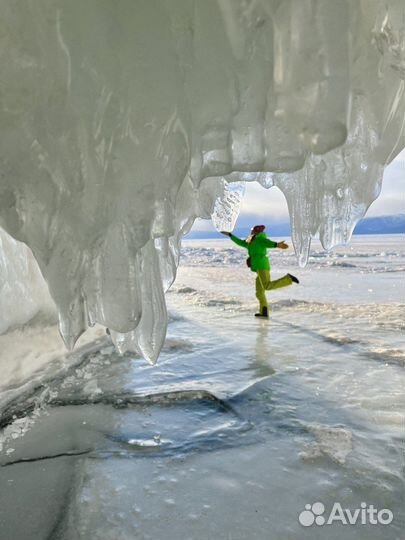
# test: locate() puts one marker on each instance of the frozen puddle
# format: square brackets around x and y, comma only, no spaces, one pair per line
[188,465]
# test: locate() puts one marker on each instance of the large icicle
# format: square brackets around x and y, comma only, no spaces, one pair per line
[121,122]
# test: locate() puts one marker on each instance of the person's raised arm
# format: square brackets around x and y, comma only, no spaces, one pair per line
[271,244]
[235,239]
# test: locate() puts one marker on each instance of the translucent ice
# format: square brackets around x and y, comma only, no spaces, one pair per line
[121,122]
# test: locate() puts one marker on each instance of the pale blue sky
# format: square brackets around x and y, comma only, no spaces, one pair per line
[259,201]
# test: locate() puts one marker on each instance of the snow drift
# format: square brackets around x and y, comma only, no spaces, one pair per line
[121,122]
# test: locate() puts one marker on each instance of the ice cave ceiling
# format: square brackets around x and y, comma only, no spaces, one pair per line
[122,121]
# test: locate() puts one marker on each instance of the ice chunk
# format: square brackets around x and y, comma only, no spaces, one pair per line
[123,122]
[334,442]
[333,191]
[23,292]
[148,338]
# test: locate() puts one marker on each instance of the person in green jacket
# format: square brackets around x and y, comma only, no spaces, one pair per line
[257,244]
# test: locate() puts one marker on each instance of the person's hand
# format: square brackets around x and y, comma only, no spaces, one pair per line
[226,233]
[282,245]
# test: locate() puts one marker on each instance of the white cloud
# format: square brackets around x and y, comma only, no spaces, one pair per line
[203,225]
[261,201]
[392,196]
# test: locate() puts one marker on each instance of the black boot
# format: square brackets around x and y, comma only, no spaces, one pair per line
[295,280]
[264,313]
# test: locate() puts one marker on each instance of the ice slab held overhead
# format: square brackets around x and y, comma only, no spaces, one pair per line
[121,122]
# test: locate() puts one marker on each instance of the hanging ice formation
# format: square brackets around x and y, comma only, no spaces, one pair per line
[123,121]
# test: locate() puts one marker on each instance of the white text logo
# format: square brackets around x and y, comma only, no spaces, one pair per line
[314,514]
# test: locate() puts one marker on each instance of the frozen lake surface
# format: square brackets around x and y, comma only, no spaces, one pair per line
[242,422]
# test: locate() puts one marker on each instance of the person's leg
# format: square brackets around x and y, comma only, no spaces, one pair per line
[261,282]
[278,283]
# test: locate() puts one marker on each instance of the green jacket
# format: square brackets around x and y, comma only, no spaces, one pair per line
[257,250]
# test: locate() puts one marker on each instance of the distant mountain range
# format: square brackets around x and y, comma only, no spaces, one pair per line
[371,225]
[381,225]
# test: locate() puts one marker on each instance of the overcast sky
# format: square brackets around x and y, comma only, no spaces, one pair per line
[260,202]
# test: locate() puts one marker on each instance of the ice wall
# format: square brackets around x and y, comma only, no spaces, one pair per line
[123,121]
